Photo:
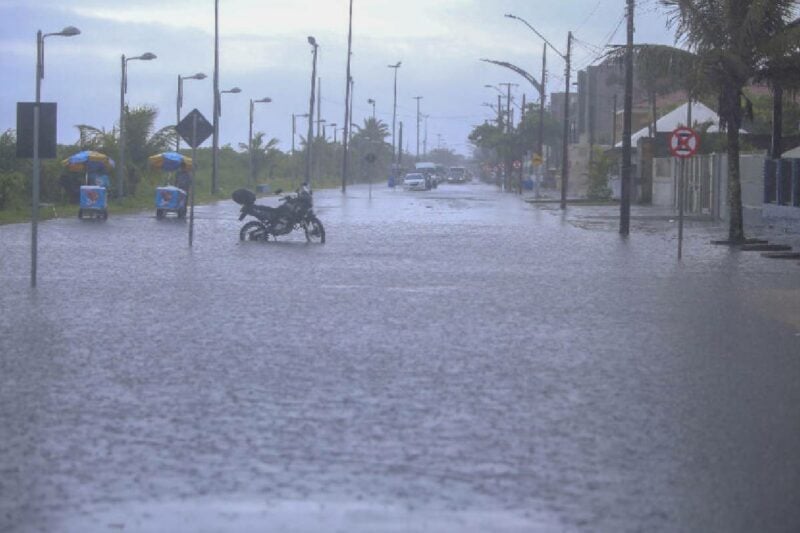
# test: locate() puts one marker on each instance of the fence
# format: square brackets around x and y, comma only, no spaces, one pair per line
[707,183]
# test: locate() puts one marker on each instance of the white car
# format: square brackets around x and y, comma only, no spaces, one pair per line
[415,182]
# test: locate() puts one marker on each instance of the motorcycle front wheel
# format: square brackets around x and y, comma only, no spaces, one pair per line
[314,230]
[253,231]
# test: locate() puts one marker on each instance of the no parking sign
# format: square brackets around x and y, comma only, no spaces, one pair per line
[684,143]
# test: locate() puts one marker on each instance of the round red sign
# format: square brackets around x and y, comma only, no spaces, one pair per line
[684,142]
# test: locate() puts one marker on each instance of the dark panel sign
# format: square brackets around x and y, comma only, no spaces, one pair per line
[47,130]
[186,128]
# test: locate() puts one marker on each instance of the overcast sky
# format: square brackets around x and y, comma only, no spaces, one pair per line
[263,50]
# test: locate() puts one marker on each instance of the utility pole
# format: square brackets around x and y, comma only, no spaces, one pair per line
[565,140]
[215,140]
[310,137]
[352,92]
[418,98]
[542,99]
[425,138]
[394,111]
[400,146]
[614,124]
[508,106]
[500,112]
[348,111]
[319,107]
[625,189]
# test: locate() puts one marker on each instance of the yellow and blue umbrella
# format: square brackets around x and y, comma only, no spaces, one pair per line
[170,161]
[88,161]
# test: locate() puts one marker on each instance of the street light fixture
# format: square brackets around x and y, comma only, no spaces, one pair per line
[253,103]
[68,31]
[310,138]
[198,76]
[123,90]
[372,101]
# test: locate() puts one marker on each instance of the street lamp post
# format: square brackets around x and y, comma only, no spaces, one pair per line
[418,98]
[123,90]
[215,149]
[310,138]
[294,127]
[69,31]
[198,76]
[216,112]
[348,101]
[567,71]
[394,111]
[372,101]
[250,135]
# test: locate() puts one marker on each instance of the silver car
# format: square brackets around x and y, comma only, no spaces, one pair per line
[415,182]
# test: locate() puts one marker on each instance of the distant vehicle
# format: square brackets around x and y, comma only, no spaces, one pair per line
[431,173]
[415,182]
[457,175]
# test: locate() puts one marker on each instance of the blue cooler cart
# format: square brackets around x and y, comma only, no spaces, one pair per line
[94,193]
[172,198]
[94,202]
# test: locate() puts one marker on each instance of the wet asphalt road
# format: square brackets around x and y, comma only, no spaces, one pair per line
[452,360]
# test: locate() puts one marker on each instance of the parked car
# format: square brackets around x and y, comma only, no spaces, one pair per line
[415,182]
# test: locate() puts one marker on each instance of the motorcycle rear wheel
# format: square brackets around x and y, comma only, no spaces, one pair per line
[253,231]
[315,232]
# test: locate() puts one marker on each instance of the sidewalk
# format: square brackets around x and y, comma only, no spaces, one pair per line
[604,216]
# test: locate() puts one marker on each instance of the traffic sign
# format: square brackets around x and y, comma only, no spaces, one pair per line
[517,164]
[186,129]
[684,143]
[537,159]
[47,129]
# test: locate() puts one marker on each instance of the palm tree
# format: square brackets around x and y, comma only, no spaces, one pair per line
[262,152]
[141,140]
[782,72]
[374,130]
[728,44]
[732,41]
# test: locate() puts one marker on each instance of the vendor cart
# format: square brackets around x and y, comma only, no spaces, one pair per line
[94,192]
[172,198]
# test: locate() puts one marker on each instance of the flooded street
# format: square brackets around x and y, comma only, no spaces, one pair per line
[450,360]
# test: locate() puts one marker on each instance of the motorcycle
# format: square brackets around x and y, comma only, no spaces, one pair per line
[295,212]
